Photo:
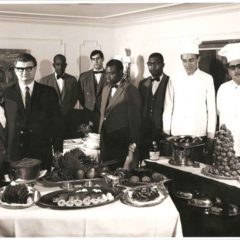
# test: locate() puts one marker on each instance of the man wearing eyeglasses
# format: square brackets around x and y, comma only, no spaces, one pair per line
[228,95]
[91,84]
[39,117]
[152,91]
[190,107]
[67,91]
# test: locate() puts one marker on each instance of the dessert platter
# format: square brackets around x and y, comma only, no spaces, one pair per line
[145,196]
[83,197]
[138,177]
[226,165]
[17,196]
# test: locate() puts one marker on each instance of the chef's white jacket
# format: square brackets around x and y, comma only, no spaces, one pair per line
[228,109]
[190,105]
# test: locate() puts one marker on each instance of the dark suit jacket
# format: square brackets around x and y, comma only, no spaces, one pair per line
[145,91]
[8,140]
[123,110]
[39,129]
[69,96]
[88,96]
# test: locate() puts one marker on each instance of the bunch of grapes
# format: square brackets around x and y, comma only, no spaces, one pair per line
[225,161]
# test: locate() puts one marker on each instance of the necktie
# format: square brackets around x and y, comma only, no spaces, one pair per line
[27,98]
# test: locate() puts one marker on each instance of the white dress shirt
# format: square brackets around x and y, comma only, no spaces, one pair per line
[23,90]
[60,83]
[155,85]
[190,105]
[228,109]
[2,117]
[98,75]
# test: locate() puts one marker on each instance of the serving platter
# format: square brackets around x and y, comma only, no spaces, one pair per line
[33,198]
[82,197]
[139,177]
[128,199]
[207,171]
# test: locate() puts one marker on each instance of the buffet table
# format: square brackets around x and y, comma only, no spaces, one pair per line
[111,220]
[189,179]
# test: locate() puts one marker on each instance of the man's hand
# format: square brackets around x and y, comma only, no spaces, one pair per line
[130,161]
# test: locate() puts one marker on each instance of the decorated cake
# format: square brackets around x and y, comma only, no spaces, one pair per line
[225,163]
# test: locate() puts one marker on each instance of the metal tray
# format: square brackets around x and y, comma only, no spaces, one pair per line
[84,182]
[48,199]
[126,197]
[34,198]
[140,172]
[206,171]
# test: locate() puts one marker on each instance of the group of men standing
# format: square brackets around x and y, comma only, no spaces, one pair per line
[35,116]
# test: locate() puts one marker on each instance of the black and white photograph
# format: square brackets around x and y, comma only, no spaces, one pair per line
[119,119]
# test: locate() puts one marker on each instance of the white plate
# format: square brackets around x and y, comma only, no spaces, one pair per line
[34,196]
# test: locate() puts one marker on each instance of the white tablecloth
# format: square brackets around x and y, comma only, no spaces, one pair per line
[197,171]
[111,220]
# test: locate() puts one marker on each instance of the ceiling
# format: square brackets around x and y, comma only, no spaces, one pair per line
[108,14]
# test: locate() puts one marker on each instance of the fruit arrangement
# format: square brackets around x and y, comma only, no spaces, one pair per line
[15,194]
[145,194]
[185,141]
[225,161]
[139,176]
[74,165]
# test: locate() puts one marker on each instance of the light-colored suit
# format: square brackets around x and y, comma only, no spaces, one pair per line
[69,96]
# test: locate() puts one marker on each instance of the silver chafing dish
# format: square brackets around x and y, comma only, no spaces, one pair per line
[185,150]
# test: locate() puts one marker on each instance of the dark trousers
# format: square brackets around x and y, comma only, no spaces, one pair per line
[114,146]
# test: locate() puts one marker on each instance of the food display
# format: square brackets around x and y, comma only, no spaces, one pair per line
[185,141]
[138,176]
[25,169]
[226,165]
[186,150]
[80,198]
[92,141]
[143,196]
[18,196]
[74,165]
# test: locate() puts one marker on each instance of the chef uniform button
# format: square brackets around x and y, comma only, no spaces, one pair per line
[30,130]
[105,119]
[21,145]
[4,152]
[21,132]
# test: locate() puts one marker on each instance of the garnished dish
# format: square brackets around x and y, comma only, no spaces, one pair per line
[186,141]
[80,198]
[226,165]
[138,176]
[74,166]
[18,196]
[143,196]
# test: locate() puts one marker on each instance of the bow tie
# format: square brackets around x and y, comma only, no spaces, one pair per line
[96,72]
[60,76]
[114,86]
[155,79]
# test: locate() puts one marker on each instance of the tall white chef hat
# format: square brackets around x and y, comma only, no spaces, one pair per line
[231,51]
[189,46]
